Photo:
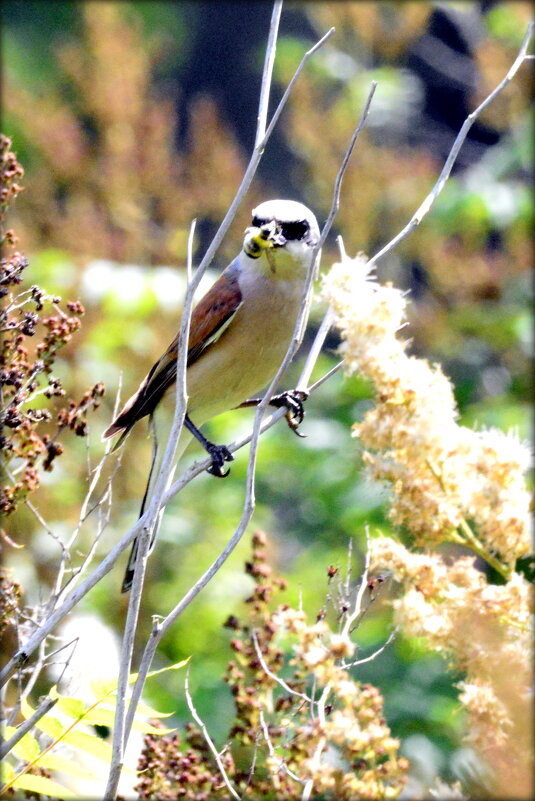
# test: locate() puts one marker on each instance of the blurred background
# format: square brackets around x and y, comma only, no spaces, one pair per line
[133,118]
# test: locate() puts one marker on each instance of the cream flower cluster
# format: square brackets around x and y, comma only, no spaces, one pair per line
[484,630]
[449,484]
[352,753]
[442,474]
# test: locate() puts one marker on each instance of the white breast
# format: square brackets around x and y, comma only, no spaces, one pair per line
[249,352]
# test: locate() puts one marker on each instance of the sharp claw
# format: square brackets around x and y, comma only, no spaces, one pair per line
[220,454]
[298,433]
[216,470]
[293,400]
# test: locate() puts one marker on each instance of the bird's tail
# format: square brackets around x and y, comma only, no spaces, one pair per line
[129,572]
[157,454]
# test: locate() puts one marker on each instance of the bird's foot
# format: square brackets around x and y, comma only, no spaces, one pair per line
[293,400]
[220,454]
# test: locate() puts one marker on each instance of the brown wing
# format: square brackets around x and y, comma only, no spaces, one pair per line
[211,316]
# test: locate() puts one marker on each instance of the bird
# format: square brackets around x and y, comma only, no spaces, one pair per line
[239,334]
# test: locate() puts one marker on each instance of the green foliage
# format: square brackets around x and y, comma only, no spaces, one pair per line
[63,730]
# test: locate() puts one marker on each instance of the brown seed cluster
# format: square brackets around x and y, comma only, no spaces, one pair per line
[10,597]
[29,430]
[300,718]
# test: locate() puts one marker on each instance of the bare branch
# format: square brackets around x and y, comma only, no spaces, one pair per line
[357,609]
[209,740]
[44,707]
[258,151]
[309,786]
[281,765]
[120,733]
[271,49]
[266,669]
[375,654]
[335,205]
[454,152]
[315,350]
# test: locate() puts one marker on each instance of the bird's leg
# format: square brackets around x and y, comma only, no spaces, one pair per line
[219,453]
[293,400]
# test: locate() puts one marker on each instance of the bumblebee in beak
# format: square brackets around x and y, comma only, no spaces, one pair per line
[264,237]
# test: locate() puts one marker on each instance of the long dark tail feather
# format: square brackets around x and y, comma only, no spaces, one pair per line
[121,439]
[129,573]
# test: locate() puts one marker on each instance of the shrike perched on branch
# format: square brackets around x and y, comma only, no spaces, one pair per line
[240,332]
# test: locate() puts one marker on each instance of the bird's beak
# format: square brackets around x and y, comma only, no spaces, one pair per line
[265,237]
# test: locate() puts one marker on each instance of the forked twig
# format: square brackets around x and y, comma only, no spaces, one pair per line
[281,765]
[269,672]
[424,207]
[375,654]
[209,740]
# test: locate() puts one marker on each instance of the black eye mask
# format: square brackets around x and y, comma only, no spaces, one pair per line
[291,231]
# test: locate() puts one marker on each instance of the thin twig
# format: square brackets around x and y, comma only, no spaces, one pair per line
[309,786]
[267,73]
[335,205]
[269,672]
[209,740]
[375,654]
[44,707]
[454,152]
[281,765]
[37,514]
[103,521]
[315,350]
[357,609]
[120,732]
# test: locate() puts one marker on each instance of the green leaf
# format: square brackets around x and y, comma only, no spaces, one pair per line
[40,784]
[50,725]
[25,709]
[133,676]
[89,743]
[100,717]
[72,707]
[106,717]
[27,748]
[149,712]
[8,771]
[102,688]
[71,767]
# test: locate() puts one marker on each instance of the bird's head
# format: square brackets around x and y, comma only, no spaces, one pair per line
[282,229]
